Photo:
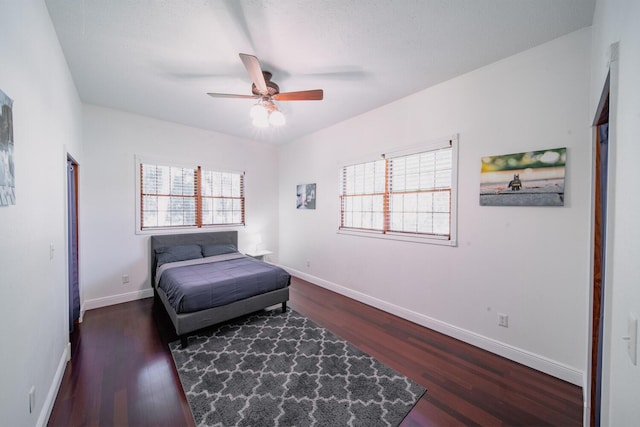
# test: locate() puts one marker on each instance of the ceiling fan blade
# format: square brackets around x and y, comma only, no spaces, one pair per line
[252,65]
[230,95]
[305,95]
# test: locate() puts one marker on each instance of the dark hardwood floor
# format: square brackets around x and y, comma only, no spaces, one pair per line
[122,373]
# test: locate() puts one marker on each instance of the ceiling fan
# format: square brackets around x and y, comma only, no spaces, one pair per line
[265,111]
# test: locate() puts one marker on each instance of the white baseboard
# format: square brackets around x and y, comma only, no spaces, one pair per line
[532,360]
[116,299]
[50,400]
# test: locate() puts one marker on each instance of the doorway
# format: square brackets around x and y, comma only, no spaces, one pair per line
[601,172]
[72,244]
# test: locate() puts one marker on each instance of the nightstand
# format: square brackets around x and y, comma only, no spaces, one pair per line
[259,255]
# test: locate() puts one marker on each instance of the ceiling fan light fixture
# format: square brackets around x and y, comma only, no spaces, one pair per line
[265,113]
[261,122]
[258,112]
[276,118]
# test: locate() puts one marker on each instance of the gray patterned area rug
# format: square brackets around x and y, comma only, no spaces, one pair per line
[281,369]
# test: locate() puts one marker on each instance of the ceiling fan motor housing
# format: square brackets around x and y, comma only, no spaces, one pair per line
[272,88]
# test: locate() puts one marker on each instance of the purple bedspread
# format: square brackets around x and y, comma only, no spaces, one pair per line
[214,283]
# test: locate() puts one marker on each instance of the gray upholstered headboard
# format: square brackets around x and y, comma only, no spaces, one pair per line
[165,240]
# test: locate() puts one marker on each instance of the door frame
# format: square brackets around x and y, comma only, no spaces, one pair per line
[597,399]
[75,256]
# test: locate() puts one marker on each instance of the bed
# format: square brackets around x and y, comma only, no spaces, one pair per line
[201,280]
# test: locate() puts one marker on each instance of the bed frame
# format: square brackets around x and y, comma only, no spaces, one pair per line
[185,323]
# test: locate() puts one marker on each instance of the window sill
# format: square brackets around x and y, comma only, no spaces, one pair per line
[185,229]
[412,238]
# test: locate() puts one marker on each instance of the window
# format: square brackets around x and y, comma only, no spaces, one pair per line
[407,195]
[174,196]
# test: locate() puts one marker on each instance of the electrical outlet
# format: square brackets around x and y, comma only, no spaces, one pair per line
[125,279]
[503,320]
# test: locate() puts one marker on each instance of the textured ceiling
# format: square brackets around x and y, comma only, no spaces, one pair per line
[159,58]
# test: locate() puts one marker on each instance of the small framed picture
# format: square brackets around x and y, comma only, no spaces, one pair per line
[306,196]
[7,172]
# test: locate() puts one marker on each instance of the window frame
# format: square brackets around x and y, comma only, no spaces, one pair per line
[444,142]
[198,169]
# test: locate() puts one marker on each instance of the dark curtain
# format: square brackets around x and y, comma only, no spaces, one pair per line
[74,291]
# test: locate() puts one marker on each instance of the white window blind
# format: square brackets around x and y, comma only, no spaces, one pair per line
[363,196]
[172,196]
[401,194]
[420,193]
[168,196]
[222,198]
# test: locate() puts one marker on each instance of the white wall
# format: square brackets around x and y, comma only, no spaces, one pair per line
[616,21]
[109,246]
[531,263]
[47,125]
